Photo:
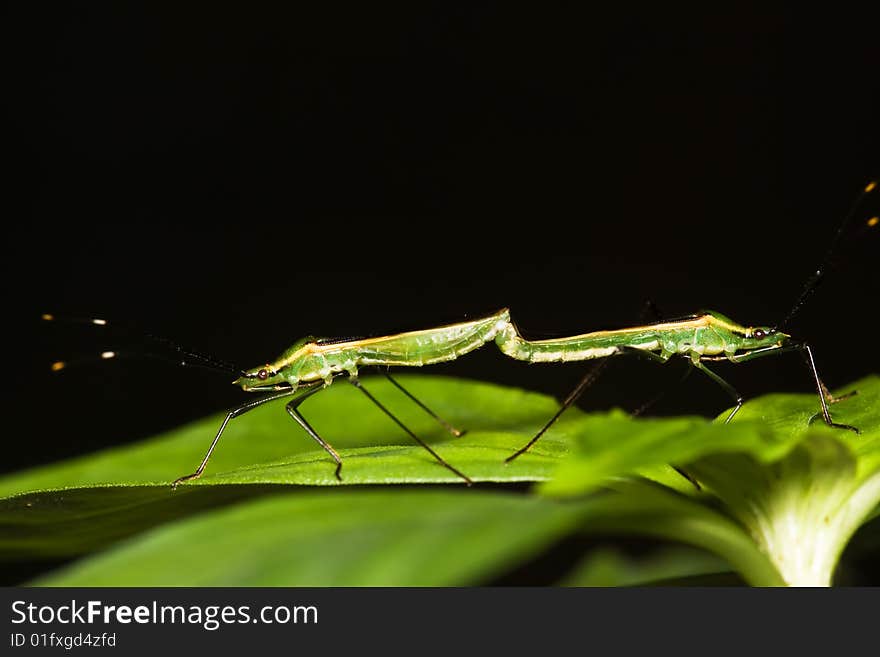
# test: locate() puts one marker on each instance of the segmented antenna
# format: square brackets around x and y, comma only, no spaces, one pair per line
[190,358]
[819,275]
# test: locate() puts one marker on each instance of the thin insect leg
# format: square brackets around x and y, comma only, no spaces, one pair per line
[659,316]
[589,378]
[458,433]
[648,404]
[724,384]
[657,358]
[822,390]
[753,354]
[831,399]
[357,384]
[241,410]
[584,383]
[811,363]
[684,473]
[641,409]
[291,408]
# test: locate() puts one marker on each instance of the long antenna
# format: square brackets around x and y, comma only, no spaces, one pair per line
[187,355]
[819,275]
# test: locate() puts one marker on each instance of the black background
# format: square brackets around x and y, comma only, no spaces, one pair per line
[235,178]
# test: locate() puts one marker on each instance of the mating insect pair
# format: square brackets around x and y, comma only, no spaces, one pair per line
[311,364]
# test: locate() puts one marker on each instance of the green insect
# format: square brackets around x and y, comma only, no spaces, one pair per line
[708,336]
[312,364]
[701,338]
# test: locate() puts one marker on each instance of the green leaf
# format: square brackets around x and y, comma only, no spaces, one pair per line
[800,490]
[74,507]
[610,567]
[767,429]
[336,538]
[266,447]
[69,523]
[803,508]
[636,507]
[80,506]
[604,446]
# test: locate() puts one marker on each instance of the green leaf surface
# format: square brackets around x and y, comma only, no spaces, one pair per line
[74,507]
[636,507]
[266,447]
[346,537]
[802,509]
[766,429]
[611,567]
[336,538]
[86,504]
[68,523]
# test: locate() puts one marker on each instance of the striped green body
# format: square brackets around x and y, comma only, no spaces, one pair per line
[311,359]
[708,334]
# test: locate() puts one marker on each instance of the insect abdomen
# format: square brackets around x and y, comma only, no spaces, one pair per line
[431,346]
[576,348]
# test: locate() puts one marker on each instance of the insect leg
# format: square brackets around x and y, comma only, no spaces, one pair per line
[644,407]
[651,308]
[291,408]
[657,358]
[241,410]
[656,398]
[831,399]
[584,383]
[825,396]
[589,378]
[823,392]
[724,384]
[458,433]
[641,409]
[357,384]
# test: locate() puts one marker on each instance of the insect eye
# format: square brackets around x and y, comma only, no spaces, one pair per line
[758,334]
[262,375]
